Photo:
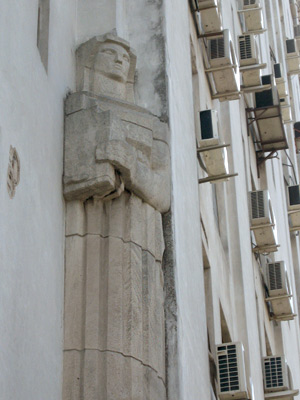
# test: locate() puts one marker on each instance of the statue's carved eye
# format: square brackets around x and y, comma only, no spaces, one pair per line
[108,51]
[125,56]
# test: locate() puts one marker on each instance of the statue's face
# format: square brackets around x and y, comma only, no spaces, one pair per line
[113,61]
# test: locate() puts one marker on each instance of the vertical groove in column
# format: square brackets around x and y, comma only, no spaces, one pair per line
[116,339]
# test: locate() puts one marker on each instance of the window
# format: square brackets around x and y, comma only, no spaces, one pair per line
[43,30]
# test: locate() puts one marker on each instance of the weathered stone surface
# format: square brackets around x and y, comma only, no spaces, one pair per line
[75,218]
[116,183]
[104,62]
[109,375]
[114,288]
[101,143]
[123,218]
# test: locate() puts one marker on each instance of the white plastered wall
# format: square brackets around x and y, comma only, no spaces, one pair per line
[32,223]
[192,331]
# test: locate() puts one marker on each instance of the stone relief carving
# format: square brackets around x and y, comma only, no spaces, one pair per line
[106,65]
[123,143]
[13,172]
[117,184]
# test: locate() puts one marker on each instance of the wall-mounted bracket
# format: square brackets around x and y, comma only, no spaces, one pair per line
[252,20]
[263,159]
[219,146]
[284,296]
[288,317]
[234,95]
[216,178]
[266,249]
[281,395]
[256,32]
[252,67]
[254,227]
[249,10]
[250,89]
[211,35]
[221,68]
[200,7]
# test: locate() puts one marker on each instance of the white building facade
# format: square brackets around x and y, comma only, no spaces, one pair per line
[149,222]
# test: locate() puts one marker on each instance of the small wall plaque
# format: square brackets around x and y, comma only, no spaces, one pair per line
[13,172]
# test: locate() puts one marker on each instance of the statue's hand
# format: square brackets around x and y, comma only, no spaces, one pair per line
[121,155]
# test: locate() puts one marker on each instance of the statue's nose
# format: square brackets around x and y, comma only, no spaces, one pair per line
[118,58]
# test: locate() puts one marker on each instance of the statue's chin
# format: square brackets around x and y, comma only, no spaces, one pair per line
[116,75]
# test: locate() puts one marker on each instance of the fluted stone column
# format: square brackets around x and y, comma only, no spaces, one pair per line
[116,184]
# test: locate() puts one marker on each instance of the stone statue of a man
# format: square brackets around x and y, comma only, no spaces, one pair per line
[116,184]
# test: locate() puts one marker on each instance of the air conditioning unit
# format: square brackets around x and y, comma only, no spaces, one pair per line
[248,50]
[251,78]
[286,111]
[231,371]
[277,280]
[293,60]
[297,31]
[268,80]
[268,116]
[280,82]
[251,4]
[297,136]
[211,17]
[294,197]
[263,222]
[297,35]
[291,47]
[253,16]
[280,296]
[278,71]
[209,124]
[260,207]
[213,153]
[223,67]
[220,50]
[275,374]
[294,9]
[267,98]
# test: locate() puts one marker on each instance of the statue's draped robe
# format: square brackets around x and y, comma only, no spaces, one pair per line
[114,318]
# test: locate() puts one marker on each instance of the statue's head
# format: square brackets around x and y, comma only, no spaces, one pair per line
[113,61]
[106,66]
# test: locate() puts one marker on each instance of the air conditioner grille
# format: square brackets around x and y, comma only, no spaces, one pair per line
[228,368]
[297,129]
[290,46]
[294,195]
[245,47]
[277,70]
[217,48]
[275,277]
[273,372]
[257,204]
